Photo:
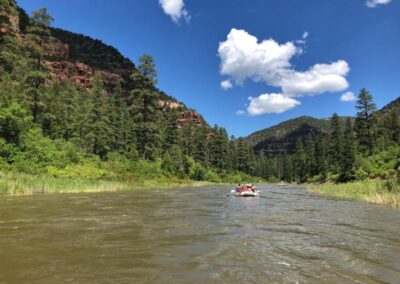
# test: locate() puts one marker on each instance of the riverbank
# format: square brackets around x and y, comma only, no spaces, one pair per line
[383,192]
[23,184]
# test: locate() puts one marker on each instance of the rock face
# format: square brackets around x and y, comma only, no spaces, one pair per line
[83,57]
[53,47]
[79,73]
[189,116]
[170,104]
[9,23]
[56,55]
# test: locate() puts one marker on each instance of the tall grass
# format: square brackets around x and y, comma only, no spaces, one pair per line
[12,183]
[385,192]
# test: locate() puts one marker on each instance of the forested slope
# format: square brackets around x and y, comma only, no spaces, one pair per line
[71,106]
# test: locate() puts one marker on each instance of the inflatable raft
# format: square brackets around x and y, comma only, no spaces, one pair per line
[247,194]
[247,190]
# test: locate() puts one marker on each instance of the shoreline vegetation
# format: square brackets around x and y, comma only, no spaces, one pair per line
[17,184]
[380,192]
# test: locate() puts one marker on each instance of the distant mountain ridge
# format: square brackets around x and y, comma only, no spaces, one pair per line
[282,138]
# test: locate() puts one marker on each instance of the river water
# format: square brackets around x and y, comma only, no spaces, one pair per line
[198,235]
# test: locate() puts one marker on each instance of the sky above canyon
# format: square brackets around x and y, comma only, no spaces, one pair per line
[248,65]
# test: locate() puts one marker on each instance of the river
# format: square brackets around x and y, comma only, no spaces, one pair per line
[197,235]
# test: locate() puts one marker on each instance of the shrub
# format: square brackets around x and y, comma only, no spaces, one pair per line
[361,174]
[197,172]
[212,176]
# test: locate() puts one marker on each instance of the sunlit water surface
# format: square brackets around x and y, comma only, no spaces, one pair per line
[197,235]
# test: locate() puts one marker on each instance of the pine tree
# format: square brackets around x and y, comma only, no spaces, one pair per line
[187,141]
[171,131]
[336,143]
[99,122]
[242,156]
[200,146]
[59,111]
[287,168]
[80,121]
[300,162]
[37,32]
[34,93]
[310,156]
[321,157]
[349,153]
[145,108]
[218,148]
[122,126]
[232,155]
[364,122]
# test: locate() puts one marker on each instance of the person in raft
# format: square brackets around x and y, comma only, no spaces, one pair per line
[239,188]
[251,187]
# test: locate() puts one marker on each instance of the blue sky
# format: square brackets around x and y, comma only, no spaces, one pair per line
[289,57]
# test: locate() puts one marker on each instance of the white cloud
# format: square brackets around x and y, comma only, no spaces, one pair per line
[303,40]
[348,97]
[374,3]
[175,9]
[244,57]
[240,112]
[271,103]
[319,79]
[226,85]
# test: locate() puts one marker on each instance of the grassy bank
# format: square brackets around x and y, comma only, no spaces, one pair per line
[12,183]
[385,192]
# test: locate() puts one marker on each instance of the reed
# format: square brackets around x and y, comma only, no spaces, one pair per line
[12,183]
[384,192]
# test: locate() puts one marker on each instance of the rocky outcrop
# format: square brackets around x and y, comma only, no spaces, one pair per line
[79,73]
[56,54]
[169,104]
[189,116]
[55,48]
[9,23]
[52,47]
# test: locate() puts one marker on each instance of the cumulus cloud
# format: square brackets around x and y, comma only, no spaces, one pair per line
[374,3]
[319,79]
[175,9]
[305,35]
[227,84]
[271,103]
[348,97]
[240,112]
[244,57]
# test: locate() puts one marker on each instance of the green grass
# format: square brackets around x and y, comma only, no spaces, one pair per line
[12,183]
[384,192]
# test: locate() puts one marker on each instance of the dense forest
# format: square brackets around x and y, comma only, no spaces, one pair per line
[339,149]
[117,130]
[125,128]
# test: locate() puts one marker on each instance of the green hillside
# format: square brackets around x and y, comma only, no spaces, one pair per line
[282,138]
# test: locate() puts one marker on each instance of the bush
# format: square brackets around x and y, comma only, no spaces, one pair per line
[212,176]
[317,179]
[14,122]
[361,174]
[197,172]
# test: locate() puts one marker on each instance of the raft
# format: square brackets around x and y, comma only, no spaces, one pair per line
[247,194]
